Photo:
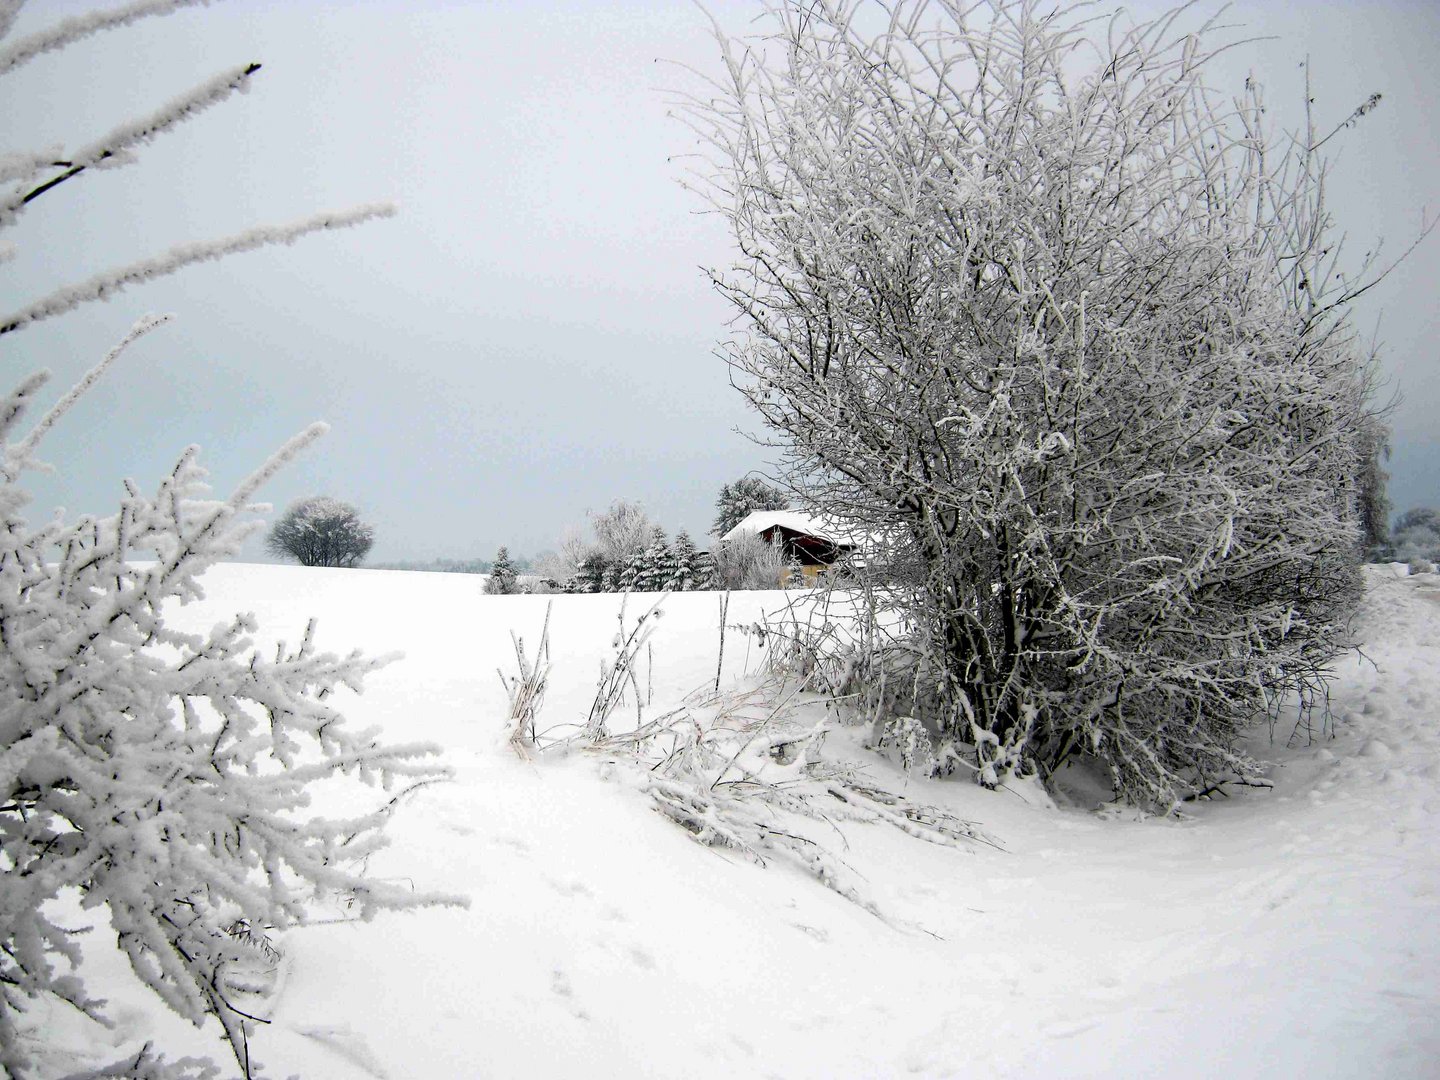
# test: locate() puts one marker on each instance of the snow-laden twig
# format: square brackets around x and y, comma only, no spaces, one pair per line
[526,690]
[743,771]
[165,775]
[104,285]
[116,147]
[78,27]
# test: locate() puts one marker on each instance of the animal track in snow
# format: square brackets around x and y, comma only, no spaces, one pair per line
[570,888]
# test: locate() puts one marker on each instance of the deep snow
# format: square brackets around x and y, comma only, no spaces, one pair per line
[1282,933]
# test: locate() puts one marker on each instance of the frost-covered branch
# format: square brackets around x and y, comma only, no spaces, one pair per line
[116,148]
[166,775]
[103,286]
[77,28]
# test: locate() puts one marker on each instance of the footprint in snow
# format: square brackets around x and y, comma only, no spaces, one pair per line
[560,986]
[570,888]
[641,957]
[1071,1029]
[346,1044]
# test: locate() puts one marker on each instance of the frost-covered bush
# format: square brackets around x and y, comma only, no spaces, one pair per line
[748,561]
[321,531]
[1068,333]
[161,775]
[161,779]
[1416,538]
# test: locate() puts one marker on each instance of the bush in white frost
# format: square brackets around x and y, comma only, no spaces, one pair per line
[321,531]
[161,776]
[1067,331]
[1416,538]
[748,561]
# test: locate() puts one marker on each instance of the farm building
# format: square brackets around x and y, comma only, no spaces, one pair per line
[805,540]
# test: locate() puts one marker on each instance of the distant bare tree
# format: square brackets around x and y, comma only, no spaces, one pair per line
[621,532]
[320,531]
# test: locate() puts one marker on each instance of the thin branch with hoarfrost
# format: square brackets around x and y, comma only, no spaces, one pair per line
[103,286]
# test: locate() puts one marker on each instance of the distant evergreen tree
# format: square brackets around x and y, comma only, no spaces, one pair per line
[704,570]
[686,563]
[657,563]
[795,573]
[590,576]
[744,496]
[614,574]
[502,575]
[627,579]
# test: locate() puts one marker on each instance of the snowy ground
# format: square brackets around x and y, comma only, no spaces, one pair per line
[1284,933]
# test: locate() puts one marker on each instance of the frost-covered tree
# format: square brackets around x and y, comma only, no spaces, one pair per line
[1373,500]
[28,174]
[321,531]
[621,532]
[1417,535]
[657,563]
[502,580]
[628,577]
[1070,339]
[684,575]
[163,776]
[744,497]
[562,564]
[705,570]
[591,577]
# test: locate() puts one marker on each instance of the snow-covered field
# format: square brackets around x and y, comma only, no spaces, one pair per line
[1294,932]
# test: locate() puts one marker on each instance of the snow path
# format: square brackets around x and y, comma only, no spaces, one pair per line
[1291,932]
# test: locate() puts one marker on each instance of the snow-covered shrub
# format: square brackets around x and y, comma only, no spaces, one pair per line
[321,531]
[161,775]
[1075,345]
[744,770]
[748,561]
[1416,539]
[526,689]
[162,778]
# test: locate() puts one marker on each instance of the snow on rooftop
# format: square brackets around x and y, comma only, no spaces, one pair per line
[758,521]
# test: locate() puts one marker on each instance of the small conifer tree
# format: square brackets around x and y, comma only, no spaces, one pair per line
[704,572]
[683,572]
[657,563]
[591,575]
[502,581]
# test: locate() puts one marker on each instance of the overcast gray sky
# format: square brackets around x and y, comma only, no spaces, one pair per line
[533,336]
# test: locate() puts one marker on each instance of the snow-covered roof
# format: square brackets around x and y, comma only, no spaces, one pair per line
[757,521]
